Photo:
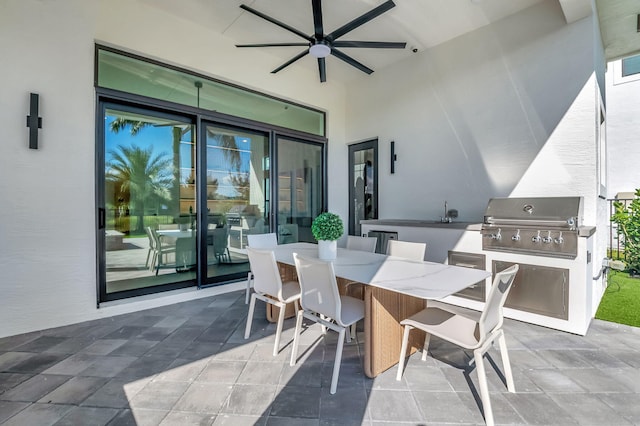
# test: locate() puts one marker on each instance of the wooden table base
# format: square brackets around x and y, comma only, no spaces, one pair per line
[384,310]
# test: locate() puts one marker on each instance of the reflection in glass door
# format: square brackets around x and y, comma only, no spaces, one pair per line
[363,184]
[300,188]
[147,235]
[237,196]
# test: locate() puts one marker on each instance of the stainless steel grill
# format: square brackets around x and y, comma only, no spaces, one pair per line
[540,226]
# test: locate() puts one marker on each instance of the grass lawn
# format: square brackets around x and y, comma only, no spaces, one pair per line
[621,300]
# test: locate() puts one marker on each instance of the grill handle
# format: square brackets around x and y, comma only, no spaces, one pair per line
[490,220]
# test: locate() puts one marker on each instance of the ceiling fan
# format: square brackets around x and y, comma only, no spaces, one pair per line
[320,45]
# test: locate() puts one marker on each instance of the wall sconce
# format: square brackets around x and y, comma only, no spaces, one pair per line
[33,121]
[394,157]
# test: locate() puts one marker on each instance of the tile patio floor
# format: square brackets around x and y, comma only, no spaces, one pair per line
[188,364]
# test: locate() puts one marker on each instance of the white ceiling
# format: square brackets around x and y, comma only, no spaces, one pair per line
[420,23]
[618,25]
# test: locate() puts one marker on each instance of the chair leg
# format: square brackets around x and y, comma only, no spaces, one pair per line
[425,346]
[506,365]
[336,363]
[252,305]
[296,338]
[354,330]
[146,264]
[246,296]
[484,388]
[403,350]
[276,345]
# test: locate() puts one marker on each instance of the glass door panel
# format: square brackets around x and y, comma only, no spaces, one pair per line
[363,184]
[148,232]
[237,191]
[300,184]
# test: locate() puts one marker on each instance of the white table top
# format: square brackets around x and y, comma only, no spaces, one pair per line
[426,280]
[176,233]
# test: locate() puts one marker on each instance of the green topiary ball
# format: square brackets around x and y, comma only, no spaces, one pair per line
[327,226]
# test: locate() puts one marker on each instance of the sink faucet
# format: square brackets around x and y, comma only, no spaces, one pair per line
[446,218]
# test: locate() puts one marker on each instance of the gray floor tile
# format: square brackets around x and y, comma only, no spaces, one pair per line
[296,401]
[88,416]
[159,395]
[139,417]
[588,409]
[539,409]
[104,346]
[182,370]
[553,380]
[108,366]
[203,371]
[203,398]
[116,393]
[625,404]
[39,414]
[239,420]
[388,405]
[250,399]
[10,408]
[256,372]
[177,418]
[35,388]
[11,380]
[74,391]
[36,363]
[221,371]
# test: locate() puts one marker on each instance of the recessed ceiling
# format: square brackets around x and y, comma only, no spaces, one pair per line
[618,25]
[420,23]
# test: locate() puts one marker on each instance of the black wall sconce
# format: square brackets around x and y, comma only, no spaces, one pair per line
[394,157]
[33,121]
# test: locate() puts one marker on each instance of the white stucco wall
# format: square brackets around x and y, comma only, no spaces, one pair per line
[47,213]
[623,130]
[505,110]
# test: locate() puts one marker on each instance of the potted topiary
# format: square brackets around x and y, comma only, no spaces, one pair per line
[327,228]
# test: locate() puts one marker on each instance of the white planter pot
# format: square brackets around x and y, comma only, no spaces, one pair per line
[327,250]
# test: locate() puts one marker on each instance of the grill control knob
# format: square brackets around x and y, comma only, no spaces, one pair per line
[559,240]
[497,236]
[516,237]
[537,238]
[548,238]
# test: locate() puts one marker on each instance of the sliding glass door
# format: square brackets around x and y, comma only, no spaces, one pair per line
[237,196]
[178,195]
[146,232]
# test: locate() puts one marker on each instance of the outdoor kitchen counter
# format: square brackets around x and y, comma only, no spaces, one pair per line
[468,226]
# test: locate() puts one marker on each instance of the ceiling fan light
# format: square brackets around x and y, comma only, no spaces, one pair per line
[320,50]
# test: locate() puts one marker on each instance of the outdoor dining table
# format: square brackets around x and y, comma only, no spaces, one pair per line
[394,289]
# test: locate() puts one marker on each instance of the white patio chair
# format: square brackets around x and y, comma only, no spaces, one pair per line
[355,242]
[259,241]
[161,249]
[468,333]
[406,249]
[322,303]
[269,288]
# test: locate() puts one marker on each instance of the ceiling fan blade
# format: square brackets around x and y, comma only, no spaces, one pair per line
[363,19]
[289,62]
[348,59]
[317,19]
[323,70]
[276,22]
[371,44]
[272,45]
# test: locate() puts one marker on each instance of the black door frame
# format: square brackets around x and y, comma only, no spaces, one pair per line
[353,148]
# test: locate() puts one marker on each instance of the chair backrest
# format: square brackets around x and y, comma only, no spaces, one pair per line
[491,317]
[262,241]
[220,239]
[266,276]
[319,289]
[406,249]
[152,237]
[362,243]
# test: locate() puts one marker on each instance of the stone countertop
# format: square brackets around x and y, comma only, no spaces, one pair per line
[469,226]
